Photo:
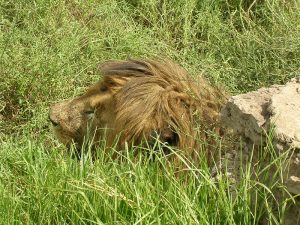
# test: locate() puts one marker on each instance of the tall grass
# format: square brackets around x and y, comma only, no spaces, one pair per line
[50,50]
[42,187]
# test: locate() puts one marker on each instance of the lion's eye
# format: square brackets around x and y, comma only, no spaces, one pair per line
[89,113]
[103,88]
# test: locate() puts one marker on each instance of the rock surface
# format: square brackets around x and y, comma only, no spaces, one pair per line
[254,113]
[275,111]
[284,108]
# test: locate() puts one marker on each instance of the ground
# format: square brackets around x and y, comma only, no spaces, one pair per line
[50,50]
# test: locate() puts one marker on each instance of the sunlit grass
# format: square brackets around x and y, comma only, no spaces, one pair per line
[48,186]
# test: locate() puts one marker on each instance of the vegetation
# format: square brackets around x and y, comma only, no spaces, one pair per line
[50,50]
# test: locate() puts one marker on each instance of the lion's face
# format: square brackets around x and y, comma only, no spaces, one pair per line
[78,118]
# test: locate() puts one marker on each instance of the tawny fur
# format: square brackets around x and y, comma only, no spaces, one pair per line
[140,100]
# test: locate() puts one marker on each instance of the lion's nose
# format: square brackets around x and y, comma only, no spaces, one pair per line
[53,120]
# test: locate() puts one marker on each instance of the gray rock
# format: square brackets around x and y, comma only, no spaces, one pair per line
[247,114]
[274,110]
[284,108]
[254,113]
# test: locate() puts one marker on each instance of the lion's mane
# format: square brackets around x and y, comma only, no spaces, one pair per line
[145,100]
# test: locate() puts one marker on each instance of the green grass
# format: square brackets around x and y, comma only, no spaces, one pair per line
[51,50]
[44,186]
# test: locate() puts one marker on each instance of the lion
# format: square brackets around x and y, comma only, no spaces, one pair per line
[139,101]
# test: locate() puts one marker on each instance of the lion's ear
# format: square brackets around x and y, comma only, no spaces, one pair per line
[170,137]
[129,68]
[166,136]
[114,83]
[117,73]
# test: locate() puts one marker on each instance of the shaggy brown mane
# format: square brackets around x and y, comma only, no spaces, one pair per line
[143,100]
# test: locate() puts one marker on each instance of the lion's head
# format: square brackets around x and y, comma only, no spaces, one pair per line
[139,100]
